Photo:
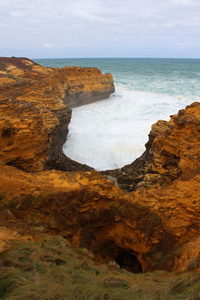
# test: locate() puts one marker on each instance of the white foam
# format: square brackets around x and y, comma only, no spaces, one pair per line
[112,133]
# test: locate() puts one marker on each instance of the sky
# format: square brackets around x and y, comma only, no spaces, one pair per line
[100,28]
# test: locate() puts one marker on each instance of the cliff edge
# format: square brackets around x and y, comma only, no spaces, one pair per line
[154,226]
[35,111]
[172,152]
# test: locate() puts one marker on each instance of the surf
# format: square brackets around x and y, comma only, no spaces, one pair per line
[111,133]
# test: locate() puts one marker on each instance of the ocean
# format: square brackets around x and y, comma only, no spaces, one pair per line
[111,133]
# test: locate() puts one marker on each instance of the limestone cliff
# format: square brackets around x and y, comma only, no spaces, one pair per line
[171,152]
[155,226]
[90,211]
[35,113]
[87,85]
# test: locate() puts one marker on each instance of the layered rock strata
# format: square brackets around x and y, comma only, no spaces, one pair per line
[157,226]
[154,228]
[87,85]
[171,152]
[35,113]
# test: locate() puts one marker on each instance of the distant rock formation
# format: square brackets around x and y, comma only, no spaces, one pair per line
[87,85]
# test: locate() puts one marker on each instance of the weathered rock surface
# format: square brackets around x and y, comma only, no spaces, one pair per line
[90,211]
[156,226]
[171,152]
[35,113]
[87,85]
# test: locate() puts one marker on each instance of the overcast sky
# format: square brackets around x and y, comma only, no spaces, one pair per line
[100,28]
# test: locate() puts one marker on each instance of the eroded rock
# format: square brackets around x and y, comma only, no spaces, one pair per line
[171,152]
[156,226]
[35,113]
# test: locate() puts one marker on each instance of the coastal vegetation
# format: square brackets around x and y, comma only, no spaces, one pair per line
[51,269]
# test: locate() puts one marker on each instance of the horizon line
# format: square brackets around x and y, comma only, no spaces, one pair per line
[117,57]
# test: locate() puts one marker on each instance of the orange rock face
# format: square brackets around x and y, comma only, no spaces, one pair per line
[87,85]
[172,151]
[35,113]
[89,210]
[154,226]
[157,226]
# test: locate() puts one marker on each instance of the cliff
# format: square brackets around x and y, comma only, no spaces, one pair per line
[153,226]
[172,152]
[35,113]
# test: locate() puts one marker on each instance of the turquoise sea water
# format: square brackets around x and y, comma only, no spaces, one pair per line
[112,133]
[174,77]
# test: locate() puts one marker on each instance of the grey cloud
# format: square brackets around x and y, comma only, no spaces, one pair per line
[112,24]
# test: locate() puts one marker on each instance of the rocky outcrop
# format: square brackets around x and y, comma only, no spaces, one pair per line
[155,226]
[35,113]
[171,152]
[88,210]
[149,229]
[87,85]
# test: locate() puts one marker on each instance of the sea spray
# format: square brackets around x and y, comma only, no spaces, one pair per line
[111,133]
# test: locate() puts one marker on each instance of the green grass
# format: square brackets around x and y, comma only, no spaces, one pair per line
[2,66]
[53,270]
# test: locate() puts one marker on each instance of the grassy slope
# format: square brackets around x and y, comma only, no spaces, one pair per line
[53,270]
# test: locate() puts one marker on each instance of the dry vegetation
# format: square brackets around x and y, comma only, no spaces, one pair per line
[52,269]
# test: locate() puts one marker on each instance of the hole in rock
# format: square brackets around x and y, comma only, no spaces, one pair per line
[107,251]
[6,132]
[129,262]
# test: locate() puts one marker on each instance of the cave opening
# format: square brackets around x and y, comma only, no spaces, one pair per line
[107,251]
[129,262]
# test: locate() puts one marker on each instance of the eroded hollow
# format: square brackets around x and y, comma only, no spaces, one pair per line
[128,261]
[107,250]
[7,132]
